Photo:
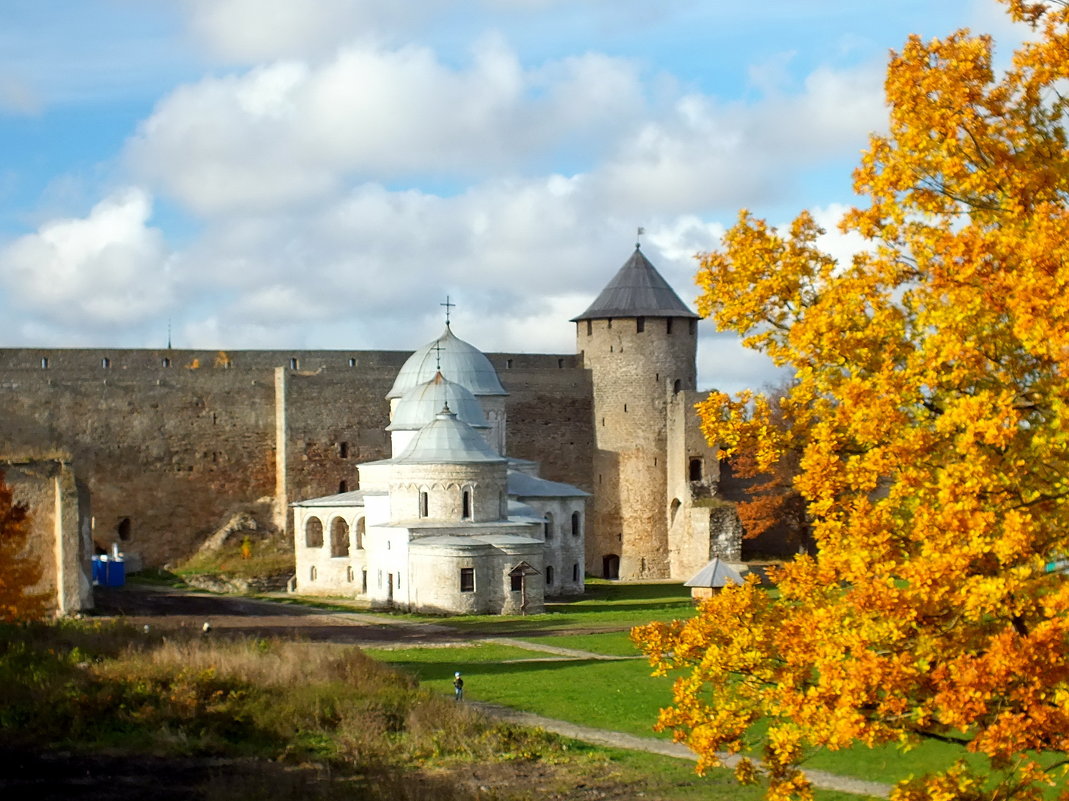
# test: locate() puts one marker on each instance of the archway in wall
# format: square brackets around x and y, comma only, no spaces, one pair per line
[610,566]
[313,533]
[123,529]
[339,537]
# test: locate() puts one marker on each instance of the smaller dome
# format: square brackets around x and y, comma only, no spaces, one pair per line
[447,440]
[421,404]
[462,362]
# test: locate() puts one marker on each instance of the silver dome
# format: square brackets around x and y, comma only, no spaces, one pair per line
[456,360]
[421,404]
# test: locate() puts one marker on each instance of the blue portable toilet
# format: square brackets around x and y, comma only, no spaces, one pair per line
[100,574]
[116,573]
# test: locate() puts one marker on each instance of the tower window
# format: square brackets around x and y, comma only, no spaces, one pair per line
[693,326]
[695,470]
[577,524]
[343,486]
[467,579]
[589,327]
[424,504]
[166,362]
[560,364]
[640,325]
[343,450]
[508,364]
[547,526]
[668,325]
[465,504]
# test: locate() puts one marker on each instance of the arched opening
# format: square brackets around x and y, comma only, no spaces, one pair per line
[577,524]
[424,504]
[575,572]
[343,486]
[361,528]
[547,525]
[349,574]
[695,470]
[339,537]
[465,504]
[123,529]
[549,575]
[677,385]
[313,573]
[610,566]
[313,533]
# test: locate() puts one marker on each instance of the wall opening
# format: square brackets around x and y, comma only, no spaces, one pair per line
[575,572]
[577,524]
[105,362]
[352,362]
[610,566]
[695,470]
[165,362]
[640,325]
[343,486]
[361,528]
[313,533]
[123,529]
[343,450]
[547,525]
[339,537]
[313,573]
[549,575]
[349,574]
[467,579]
[44,362]
[676,386]
[465,504]
[589,327]
[363,580]
[424,504]
[673,509]
[668,325]
[516,582]
[294,363]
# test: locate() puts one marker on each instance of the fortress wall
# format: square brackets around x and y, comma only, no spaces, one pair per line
[173,450]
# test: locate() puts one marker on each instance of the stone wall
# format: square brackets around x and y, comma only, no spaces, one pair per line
[169,442]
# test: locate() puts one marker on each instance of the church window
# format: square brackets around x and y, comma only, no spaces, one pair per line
[465,504]
[363,580]
[424,504]
[349,574]
[668,325]
[549,575]
[339,537]
[361,528]
[577,524]
[695,470]
[380,579]
[467,579]
[313,533]
[640,325]
[343,450]
[515,581]
[313,573]
[398,583]
[547,525]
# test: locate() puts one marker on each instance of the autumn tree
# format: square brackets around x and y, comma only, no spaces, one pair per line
[18,572]
[931,412]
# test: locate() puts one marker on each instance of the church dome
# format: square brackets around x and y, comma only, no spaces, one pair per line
[453,357]
[421,404]
[447,440]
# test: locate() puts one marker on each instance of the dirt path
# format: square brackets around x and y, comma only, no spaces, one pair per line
[168,608]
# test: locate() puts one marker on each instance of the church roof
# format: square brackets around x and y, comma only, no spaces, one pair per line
[456,359]
[524,485]
[422,403]
[637,290]
[446,440]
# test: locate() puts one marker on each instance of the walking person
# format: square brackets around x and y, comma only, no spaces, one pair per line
[458,687]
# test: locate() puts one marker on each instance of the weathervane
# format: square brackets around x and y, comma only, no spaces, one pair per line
[448,307]
[638,237]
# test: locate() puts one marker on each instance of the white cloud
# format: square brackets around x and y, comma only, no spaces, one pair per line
[107,270]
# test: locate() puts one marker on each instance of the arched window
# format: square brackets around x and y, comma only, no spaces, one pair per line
[677,385]
[547,525]
[361,528]
[313,573]
[575,572]
[339,537]
[343,486]
[313,534]
[577,524]
[465,504]
[123,529]
[424,504]
[549,575]
[349,574]
[695,470]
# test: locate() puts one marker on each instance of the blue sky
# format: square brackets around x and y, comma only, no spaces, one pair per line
[267,173]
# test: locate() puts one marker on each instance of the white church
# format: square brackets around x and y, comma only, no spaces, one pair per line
[448,524]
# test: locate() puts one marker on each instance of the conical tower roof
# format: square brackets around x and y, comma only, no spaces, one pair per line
[463,363]
[637,290]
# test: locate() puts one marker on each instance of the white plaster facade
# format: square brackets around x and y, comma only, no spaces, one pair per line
[447,524]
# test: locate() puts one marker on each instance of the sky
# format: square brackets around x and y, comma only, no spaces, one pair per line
[323,174]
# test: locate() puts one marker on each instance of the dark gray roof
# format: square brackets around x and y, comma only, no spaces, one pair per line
[637,290]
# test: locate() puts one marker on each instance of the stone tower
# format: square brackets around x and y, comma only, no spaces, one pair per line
[639,340]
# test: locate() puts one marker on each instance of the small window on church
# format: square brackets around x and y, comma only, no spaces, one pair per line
[560,364]
[165,362]
[547,523]
[349,574]
[123,529]
[343,486]
[313,533]
[677,385]
[515,581]
[508,364]
[577,524]
[424,504]
[467,579]
[339,537]
[361,528]
[609,325]
[465,504]
[575,572]
[549,575]
[363,580]
[313,573]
